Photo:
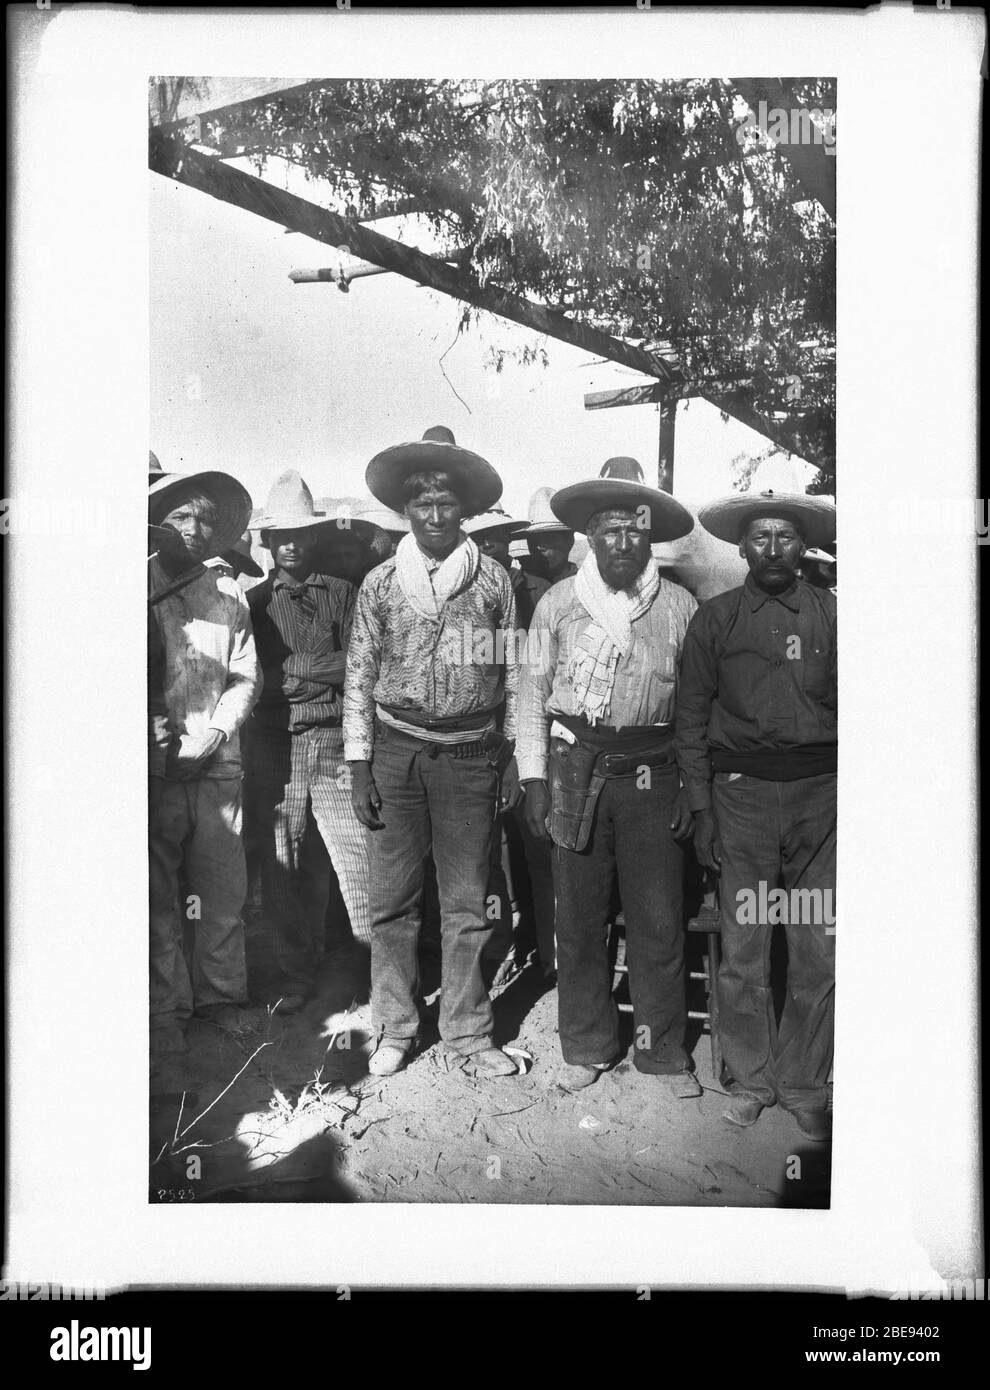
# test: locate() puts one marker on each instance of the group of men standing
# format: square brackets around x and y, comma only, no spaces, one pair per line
[598,709]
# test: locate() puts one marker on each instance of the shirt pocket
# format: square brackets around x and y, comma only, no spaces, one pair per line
[819,672]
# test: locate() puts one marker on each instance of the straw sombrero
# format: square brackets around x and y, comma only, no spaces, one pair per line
[727,517]
[289,506]
[620,486]
[370,510]
[474,479]
[541,517]
[230,498]
[495,519]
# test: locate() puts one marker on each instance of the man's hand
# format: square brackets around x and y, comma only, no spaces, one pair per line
[683,820]
[193,753]
[706,845]
[365,800]
[537,810]
[511,791]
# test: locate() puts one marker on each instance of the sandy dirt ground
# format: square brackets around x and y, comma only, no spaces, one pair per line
[304,1121]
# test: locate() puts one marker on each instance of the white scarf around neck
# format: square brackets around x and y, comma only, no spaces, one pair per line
[456,572]
[609,635]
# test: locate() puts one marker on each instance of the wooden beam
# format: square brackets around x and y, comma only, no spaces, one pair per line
[645,393]
[785,433]
[245,97]
[665,456]
[812,166]
[174,159]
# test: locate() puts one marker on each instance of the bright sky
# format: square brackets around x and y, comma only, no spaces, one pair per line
[253,374]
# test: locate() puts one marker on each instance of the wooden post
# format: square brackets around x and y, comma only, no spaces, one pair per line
[665,460]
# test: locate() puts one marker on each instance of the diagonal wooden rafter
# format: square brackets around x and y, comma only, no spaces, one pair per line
[174,159]
[812,167]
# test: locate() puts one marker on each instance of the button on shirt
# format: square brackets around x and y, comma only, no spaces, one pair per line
[295,627]
[646,679]
[207,674]
[758,675]
[459,666]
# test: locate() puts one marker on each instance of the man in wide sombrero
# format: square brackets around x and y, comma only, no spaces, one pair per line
[595,753]
[431,661]
[756,742]
[206,681]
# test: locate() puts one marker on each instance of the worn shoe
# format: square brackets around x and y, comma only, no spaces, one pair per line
[389,1056]
[743,1111]
[492,1061]
[816,1124]
[680,1085]
[574,1076]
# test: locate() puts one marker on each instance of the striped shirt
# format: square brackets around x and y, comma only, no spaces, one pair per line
[295,626]
[207,674]
[462,665]
[645,688]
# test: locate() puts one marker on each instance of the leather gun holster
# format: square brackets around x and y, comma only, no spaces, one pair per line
[575,786]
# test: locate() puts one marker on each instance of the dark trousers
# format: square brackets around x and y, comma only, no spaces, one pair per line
[534,878]
[631,842]
[776,834]
[431,801]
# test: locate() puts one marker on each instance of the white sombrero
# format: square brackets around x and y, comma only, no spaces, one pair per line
[727,517]
[495,519]
[289,506]
[541,517]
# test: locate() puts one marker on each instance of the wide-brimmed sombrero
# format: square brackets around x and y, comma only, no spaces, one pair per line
[727,517]
[619,486]
[289,506]
[495,519]
[371,510]
[541,517]
[473,478]
[230,498]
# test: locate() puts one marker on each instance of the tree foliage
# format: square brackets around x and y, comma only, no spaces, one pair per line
[641,207]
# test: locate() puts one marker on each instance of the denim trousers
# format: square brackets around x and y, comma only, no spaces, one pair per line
[776,834]
[291,778]
[195,841]
[631,843]
[431,801]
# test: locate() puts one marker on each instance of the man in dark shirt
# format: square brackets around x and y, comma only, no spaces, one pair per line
[756,744]
[302,622]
